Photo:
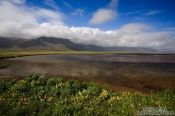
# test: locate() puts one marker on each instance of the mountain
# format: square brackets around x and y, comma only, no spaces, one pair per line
[9,42]
[45,43]
[53,43]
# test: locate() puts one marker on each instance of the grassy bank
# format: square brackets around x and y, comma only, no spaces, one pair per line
[18,53]
[12,54]
[37,95]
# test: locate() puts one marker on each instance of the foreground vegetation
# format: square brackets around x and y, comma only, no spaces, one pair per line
[37,95]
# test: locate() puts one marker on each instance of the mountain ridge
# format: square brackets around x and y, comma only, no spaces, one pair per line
[62,44]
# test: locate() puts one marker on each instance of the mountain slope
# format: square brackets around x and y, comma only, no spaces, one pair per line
[8,42]
[52,43]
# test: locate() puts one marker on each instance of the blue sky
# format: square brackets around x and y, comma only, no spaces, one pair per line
[111,23]
[160,13]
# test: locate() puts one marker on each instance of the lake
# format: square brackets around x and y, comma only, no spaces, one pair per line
[133,72]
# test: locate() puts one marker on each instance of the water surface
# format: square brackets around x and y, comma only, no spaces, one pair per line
[141,58]
[143,72]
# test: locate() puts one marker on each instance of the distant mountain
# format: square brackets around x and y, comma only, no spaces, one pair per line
[129,49]
[9,42]
[52,43]
[45,43]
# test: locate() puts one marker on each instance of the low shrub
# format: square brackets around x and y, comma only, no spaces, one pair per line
[38,95]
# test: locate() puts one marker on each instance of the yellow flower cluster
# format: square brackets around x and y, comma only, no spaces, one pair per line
[22,82]
[2,98]
[126,93]
[24,101]
[13,94]
[59,85]
[157,103]
[49,99]
[114,99]
[103,94]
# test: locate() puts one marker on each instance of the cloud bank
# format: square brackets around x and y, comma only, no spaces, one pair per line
[22,21]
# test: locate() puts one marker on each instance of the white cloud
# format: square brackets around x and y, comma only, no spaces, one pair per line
[66,4]
[104,15]
[26,22]
[113,4]
[52,4]
[19,18]
[152,12]
[78,12]
[171,29]
[17,1]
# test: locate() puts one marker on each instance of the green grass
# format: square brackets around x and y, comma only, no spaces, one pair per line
[18,53]
[37,95]
[12,54]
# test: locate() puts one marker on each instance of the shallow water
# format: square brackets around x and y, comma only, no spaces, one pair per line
[120,71]
[141,58]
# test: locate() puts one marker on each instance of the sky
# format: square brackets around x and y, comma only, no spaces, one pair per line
[110,23]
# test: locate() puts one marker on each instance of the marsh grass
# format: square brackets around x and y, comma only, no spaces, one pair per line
[19,53]
[12,54]
[38,95]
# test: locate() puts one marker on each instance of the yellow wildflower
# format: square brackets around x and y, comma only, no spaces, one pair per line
[104,93]
[49,98]
[2,98]
[113,99]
